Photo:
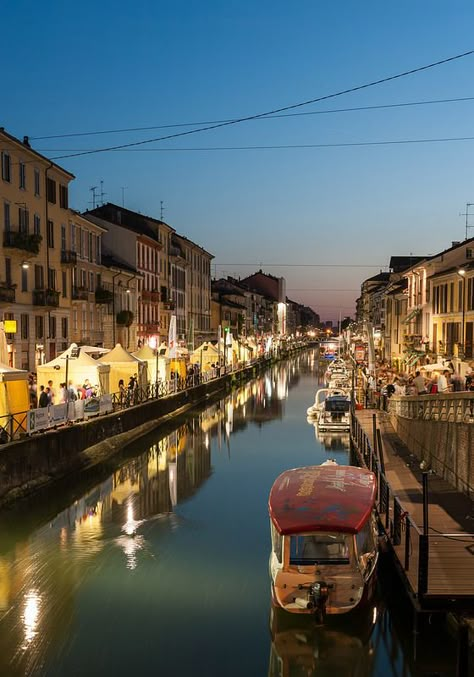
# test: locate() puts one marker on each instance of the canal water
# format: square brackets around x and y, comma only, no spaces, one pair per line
[160,567]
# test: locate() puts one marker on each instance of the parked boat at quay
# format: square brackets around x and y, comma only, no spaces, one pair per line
[331,410]
[324,539]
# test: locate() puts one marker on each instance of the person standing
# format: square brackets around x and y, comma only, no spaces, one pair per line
[43,398]
[52,392]
[443,382]
[420,384]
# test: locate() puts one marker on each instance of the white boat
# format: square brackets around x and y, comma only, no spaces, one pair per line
[335,414]
[324,539]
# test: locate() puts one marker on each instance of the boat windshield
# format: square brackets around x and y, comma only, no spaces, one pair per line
[339,406]
[320,548]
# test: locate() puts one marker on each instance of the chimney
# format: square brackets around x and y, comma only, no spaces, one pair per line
[26,141]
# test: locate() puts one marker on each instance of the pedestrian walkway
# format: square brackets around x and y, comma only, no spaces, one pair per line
[450,532]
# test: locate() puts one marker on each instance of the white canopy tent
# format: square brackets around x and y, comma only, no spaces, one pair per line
[156,364]
[123,365]
[75,366]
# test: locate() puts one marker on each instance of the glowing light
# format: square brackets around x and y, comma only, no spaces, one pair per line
[30,615]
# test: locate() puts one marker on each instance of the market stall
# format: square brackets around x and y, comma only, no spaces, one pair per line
[123,365]
[75,366]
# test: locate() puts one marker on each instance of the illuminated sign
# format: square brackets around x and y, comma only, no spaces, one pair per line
[9,326]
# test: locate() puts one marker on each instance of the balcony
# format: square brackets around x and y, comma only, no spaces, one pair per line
[23,241]
[68,257]
[152,296]
[7,293]
[103,295]
[80,294]
[46,297]
[148,329]
[168,305]
[91,337]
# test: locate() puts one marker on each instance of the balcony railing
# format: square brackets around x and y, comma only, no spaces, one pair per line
[7,293]
[24,241]
[168,305]
[148,328]
[68,257]
[91,337]
[153,296]
[103,295]
[80,294]
[46,297]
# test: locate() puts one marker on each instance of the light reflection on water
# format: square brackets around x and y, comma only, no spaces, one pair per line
[162,568]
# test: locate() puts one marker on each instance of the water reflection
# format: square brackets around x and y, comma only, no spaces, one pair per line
[148,553]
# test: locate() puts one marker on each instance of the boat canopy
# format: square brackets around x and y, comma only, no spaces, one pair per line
[337,405]
[336,498]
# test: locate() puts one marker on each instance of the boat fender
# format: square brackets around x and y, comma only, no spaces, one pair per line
[303,602]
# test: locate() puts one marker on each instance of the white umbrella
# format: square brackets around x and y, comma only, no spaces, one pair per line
[437,366]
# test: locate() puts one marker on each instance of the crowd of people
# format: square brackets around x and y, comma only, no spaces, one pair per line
[390,382]
[49,394]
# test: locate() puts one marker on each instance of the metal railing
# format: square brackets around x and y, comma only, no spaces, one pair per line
[411,542]
[453,407]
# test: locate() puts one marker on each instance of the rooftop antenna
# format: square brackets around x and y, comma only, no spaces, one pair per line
[466,214]
[102,192]
[162,209]
[124,188]
[92,190]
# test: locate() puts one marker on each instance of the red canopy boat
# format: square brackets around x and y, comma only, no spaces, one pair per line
[324,538]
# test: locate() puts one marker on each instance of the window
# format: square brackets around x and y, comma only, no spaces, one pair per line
[39,327]
[6,167]
[22,175]
[37,224]
[63,198]
[23,219]
[64,327]
[8,271]
[50,234]
[51,191]
[24,326]
[63,237]
[91,281]
[72,228]
[37,182]
[39,277]
[52,327]
[323,547]
[24,279]
[90,247]
[6,216]
[64,276]
[51,278]
[469,253]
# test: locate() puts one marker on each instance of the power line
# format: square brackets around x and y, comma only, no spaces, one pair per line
[268,117]
[302,265]
[276,110]
[288,146]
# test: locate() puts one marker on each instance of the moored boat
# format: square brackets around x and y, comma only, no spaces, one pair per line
[324,539]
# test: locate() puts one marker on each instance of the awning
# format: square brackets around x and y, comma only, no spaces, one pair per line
[412,315]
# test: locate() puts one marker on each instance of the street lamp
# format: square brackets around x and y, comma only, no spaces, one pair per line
[462,273]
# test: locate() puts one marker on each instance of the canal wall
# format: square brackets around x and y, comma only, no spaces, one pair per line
[34,462]
[445,447]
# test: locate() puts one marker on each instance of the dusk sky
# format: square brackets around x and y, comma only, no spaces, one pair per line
[333,213]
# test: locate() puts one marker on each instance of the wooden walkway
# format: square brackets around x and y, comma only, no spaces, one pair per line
[444,577]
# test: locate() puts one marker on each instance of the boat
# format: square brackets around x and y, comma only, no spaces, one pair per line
[335,414]
[324,539]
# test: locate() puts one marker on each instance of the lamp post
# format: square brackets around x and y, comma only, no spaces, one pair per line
[462,273]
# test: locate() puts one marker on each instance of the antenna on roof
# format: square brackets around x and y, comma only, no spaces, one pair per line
[102,192]
[161,210]
[466,214]
[92,190]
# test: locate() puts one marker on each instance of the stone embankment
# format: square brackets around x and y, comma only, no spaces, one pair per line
[439,431]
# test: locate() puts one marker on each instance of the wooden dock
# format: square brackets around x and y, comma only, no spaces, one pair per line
[429,525]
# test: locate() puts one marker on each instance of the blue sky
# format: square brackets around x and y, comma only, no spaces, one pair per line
[333,215]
